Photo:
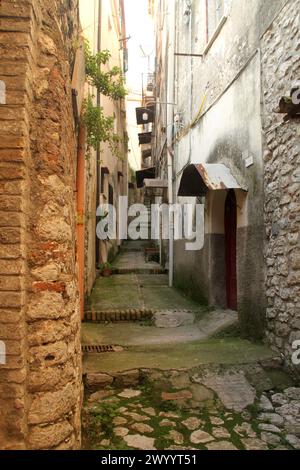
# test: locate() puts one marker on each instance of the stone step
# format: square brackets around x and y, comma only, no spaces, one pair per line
[183,377]
[161,318]
[133,270]
[116,316]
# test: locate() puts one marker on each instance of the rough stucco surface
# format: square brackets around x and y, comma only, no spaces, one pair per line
[40,385]
[282,182]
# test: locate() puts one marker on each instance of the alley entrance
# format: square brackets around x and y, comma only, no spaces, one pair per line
[164,372]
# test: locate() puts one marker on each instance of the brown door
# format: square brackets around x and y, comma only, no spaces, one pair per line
[230,249]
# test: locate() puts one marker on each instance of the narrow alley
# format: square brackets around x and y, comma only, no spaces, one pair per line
[163,372]
[149,228]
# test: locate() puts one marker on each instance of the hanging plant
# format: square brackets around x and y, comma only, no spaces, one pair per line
[110,83]
[100,128]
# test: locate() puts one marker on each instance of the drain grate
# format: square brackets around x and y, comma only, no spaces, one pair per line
[101,349]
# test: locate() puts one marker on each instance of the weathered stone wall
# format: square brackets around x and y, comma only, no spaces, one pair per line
[40,384]
[280,69]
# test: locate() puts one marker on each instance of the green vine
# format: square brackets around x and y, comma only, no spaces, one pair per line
[110,83]
[100,128]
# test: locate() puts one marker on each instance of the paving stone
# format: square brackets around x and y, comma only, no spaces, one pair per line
[180,380]
[201,437]
[142,428]
[100,395]
[289,410]
[245,429]
[233,389]
[216,421]
[269,438]
[181,448]
[293,393]
[271,418]
[169,414]
[119,421]
[279,399]
[105,443]
[129,393]
[176,437]
[220,433]
[269,428]
[221,445]
[96,381]
[192,423]
[201,393]
[170,319]
[137,417]
[293,427]
[149,411]
[254,444]
[265,404]
[112,400]
[123,409]
[293,440]
[140,442]
[167,423]
[177,396]
[121,432]
[258,378]
[128,378]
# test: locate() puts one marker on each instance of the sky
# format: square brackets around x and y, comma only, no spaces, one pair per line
[139,27]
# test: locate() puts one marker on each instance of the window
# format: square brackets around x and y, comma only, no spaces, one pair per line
[215,13]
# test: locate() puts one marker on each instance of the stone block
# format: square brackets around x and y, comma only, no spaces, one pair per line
[49,355]
[45,306]
[98,381]
[50,406]
[128,378]
[47,331]
[46,437]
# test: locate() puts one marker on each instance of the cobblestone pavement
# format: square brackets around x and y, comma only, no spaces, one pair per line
[224,414]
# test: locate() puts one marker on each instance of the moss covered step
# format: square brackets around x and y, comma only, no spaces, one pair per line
[133,269]
[119,315]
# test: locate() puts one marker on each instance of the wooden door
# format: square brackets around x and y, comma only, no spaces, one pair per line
[230,249]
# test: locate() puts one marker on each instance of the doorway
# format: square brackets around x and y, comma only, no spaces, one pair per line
[230,249]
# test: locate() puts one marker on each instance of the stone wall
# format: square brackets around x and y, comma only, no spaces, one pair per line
[280,69]
[40,384]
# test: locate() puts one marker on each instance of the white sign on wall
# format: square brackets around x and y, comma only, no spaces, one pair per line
[2,353]
[2,92]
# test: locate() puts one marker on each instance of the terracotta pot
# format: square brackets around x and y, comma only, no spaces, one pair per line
[106,272]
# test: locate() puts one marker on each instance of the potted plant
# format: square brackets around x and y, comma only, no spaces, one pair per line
[106,269]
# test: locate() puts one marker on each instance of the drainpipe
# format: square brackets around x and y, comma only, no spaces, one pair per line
[98,164]
[170,123]
[80,188]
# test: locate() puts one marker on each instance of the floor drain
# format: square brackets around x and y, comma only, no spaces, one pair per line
[101,349]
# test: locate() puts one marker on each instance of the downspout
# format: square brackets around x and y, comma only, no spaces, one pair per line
[170,123]
[80,189]
[98,165]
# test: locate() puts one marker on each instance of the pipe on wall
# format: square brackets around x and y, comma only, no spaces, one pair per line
[80,189]
[170,123]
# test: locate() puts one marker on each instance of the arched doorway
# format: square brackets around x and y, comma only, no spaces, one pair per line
[230,249]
